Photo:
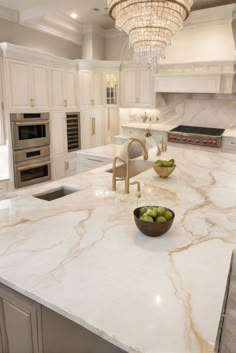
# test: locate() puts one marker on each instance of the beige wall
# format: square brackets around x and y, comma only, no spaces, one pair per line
[20,35]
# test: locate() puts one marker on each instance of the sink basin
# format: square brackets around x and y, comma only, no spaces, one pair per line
[57,193]
[136,167]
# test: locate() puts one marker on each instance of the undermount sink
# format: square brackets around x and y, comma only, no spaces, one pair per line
[56,193]
[136,167]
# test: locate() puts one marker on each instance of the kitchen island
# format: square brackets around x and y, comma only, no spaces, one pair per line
[83,257]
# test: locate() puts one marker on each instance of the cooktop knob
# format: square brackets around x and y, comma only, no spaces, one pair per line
[197,141]
[214,142]
[209,142]
[184,139]
[205,142]
[189,140]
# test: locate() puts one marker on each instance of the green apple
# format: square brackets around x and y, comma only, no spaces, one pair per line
[142,211]
[161,211]
[146,219]
[168,215]
[161,219]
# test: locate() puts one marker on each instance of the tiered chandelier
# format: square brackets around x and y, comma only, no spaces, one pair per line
[150,25]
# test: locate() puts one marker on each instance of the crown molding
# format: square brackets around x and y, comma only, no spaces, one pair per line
[9,14]
[17,52]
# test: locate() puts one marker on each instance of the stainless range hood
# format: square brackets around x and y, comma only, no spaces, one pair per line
[202,57]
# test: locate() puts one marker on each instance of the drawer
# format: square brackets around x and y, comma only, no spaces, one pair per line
[229,145]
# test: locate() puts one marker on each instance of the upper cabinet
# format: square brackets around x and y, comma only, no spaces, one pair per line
[91,88]
[136,88]
[99,83]
[39,87]
[28,85]
[64,92]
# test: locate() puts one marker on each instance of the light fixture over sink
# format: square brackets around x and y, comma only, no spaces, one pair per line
[150,25]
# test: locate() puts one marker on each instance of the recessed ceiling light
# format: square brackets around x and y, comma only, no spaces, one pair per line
[74,15]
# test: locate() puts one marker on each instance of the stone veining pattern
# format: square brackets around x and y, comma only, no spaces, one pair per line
[83,256]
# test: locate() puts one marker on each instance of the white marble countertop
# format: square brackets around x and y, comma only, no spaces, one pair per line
[83,256]
[4,163]
[106,151]
[152,126]
[230,133]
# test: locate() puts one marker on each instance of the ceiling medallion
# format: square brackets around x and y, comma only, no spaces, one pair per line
[150,25]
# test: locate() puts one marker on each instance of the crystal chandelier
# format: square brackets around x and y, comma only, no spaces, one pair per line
[150,25]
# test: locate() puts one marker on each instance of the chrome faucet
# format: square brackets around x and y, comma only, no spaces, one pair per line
[127,164]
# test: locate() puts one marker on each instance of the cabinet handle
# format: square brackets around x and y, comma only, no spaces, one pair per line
[65,102]
[34,165]
[67,165]
[92,101]
[93,127]
[95,160]
[108,122]
[32,103]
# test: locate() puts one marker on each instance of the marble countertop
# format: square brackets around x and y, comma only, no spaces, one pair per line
[152,126]
[106,151]
[83,257]
[4,163]
[230,133]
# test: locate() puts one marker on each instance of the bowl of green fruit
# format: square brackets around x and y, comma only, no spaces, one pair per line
[153,220]
[164,168]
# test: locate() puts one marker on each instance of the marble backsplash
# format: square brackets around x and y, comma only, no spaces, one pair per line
[194,109]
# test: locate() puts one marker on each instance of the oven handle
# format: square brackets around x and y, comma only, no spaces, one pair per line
[35,165]
[27,123]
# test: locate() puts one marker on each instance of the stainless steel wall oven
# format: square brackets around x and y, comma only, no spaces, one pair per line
[31,149]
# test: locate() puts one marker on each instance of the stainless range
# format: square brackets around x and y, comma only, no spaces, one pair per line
[194,135]
[31,150]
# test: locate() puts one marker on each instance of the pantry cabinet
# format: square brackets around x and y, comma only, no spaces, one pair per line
[93,127]
[137,88]
[20,323]
[28,86]
[111,125]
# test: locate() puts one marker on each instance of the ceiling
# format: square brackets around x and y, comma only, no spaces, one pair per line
[84,9]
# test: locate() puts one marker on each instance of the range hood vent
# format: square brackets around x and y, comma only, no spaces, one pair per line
[202,57]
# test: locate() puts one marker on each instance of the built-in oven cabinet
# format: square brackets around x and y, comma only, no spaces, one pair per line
[28,86]
[64,89]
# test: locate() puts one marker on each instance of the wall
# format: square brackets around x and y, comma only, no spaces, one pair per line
[117,47]
[20,35]
[194,109]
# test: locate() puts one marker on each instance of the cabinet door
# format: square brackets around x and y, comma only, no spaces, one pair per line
[145,88]
[20,94]
[40,86]
[129,88]
[22,318]
[58,100]
[97,127]
[96,88]
[111,125]
[86,127]
[58,134]
[70,88]
[85,89]
[58,168]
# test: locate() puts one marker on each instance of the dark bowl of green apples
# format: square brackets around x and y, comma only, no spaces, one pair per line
[153,220]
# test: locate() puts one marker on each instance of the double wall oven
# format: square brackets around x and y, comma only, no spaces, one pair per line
[31,148]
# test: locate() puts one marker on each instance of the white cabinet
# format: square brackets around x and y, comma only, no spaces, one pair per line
[28,85]
[111,125]
[4,186]
[91,88]
[93,127]
[137,88]
[64,92]
[87,162]
[20,323]
[40,86]
[63,162]
[19,85]
[229,144]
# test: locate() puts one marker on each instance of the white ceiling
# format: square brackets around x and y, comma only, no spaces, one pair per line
[84,9]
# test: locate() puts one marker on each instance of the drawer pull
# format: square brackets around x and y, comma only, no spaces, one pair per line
[95,160]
